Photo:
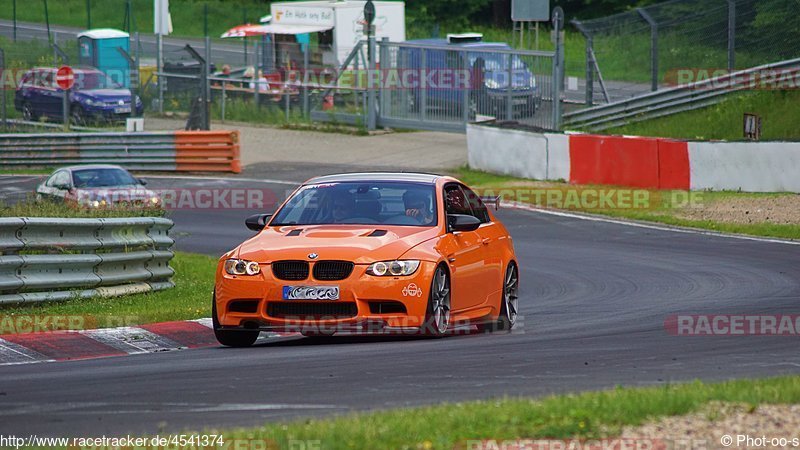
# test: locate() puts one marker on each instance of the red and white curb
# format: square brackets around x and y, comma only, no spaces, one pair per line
[104,342]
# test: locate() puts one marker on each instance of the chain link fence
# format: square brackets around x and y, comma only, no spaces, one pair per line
[643,49]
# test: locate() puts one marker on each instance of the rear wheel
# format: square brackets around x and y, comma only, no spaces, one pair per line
[231,338]
[509,304]
[437,318]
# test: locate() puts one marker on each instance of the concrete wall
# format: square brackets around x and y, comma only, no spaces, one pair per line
[539,156]
[635,161]
[746,166]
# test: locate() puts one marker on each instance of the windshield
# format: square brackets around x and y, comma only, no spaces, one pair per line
[85,81]
[387,203]
[494,62]
[95,178]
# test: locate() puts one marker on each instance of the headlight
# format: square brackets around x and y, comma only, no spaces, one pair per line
[154,200]
[88,102]
[393,268]
[241,267]
[532,82]
[491,83]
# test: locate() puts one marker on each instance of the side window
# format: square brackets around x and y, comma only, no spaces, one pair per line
[49,80]
[52,180]
[455,201]
[40,79]
[60,179]
[478,208]
[27,80]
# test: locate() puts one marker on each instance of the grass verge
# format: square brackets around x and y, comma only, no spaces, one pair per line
[586,415]
[667,207]
[189,299]
[28,207]
[778,111]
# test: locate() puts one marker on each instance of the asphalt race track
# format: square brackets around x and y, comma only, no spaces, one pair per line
[595,296]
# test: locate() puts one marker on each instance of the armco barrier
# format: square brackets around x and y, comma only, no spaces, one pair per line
[46,259]
[183,151]
[651,163]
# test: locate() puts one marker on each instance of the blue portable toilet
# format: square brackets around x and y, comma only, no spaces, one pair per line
[98,48]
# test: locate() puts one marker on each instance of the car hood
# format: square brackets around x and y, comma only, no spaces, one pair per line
[361,244]
[106,95]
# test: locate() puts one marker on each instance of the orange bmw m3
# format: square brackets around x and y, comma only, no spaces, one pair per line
[369,252]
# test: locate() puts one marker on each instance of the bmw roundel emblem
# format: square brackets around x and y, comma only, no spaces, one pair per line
[313,255]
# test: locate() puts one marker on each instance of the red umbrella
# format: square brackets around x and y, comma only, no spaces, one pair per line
[246,30]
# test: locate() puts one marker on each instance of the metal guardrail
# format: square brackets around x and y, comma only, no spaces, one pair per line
[670,101]
[47,259]
[216,151]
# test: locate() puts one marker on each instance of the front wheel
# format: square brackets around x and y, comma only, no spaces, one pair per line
[28,113]
[231,338]
[437,318]
[77,116]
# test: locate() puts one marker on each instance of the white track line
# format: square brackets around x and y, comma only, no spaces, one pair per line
[524,207]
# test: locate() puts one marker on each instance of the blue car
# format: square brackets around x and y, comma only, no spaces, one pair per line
[496,75]
[93,98]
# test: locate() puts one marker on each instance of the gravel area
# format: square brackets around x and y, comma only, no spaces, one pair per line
[762,427]
[409,151]
[777,209]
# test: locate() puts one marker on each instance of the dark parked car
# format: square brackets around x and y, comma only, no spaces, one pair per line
[492,66]
[93,98]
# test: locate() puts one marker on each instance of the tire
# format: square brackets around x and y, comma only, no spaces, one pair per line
[231,338]
[509,303]
[77,116]
[28,112]
[437,317]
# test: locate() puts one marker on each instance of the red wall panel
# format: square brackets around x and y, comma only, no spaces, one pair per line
[673,165]
[614,160]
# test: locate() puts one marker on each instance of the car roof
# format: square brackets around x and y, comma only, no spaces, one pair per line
[411,177]
[89,167]
[478,45]
[76,69]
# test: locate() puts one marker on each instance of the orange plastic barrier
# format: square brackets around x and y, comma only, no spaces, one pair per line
[207,151]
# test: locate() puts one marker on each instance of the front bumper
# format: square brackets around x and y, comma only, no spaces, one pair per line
[366,303]
[112,113]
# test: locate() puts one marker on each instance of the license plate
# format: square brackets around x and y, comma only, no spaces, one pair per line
[122,109]
[311,292]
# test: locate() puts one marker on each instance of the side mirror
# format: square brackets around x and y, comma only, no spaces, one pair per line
[257,222]
[62,187]
[142,181]
[462,222]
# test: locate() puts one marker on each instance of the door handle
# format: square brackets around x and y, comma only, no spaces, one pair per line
[486,241]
